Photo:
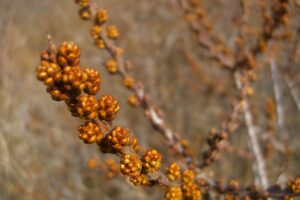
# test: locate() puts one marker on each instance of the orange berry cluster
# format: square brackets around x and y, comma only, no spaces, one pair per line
[151,160]
[173,193]
[85,106]
[294,185]
[116,140]
[108,108]
[100,18]
[139,180]
[92,85]
[214,140]
[90,132]
[78,87]
[130,165]
[101,33]
[173,172]
[65,80]
[111,33]
[138,169]
[85,10]
[189,188]
[68,55]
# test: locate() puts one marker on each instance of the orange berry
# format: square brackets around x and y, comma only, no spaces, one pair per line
[101,16]
[128,82]
[112,32]
[111,66]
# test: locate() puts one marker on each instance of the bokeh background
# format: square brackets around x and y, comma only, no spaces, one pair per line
[41,156]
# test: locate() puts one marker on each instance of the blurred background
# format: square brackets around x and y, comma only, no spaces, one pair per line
[41,156]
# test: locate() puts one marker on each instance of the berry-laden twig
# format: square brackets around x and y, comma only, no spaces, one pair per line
[104,36]
[77,87]
[180,183]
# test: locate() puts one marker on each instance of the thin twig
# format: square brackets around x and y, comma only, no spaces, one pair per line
[277,94]
[252,131]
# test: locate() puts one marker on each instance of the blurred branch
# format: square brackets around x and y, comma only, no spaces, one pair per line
[291,61]
[212,85]
[294,91]
[277,94]
[237,151]
[252,131]
[153,114]
[197,25]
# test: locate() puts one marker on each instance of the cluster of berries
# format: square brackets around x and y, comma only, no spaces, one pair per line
[67,81]
[103,34]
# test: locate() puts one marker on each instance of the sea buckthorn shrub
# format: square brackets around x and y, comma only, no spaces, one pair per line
[60,69]
[183,99]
